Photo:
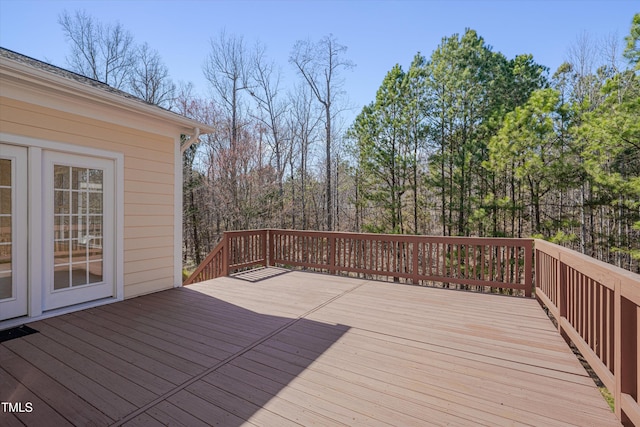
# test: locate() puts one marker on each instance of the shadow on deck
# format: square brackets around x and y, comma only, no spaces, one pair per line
[300,349]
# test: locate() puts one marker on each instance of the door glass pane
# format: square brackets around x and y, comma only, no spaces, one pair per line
[61,227]
[61,277]
[95,272]
[95,203]
[5,173]
[61,202]
[6,282]
[79,274]
[78,252]
[78,178]
[5,200]
[95,179]
[6,234]
[6,290]
[61,177]
[61,252]
[5,229]
[78,226]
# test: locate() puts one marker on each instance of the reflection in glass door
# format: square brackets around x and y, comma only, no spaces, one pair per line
[13,237]
[6,235]
[79,235]
[78,226]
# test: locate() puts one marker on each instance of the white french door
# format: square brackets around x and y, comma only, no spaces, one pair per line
[79,233]
[13,231]
[57,227]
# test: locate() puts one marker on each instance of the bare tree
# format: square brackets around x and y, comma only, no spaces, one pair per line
[582,56]
[198,209]
[107,53]
[272,110]
[227,68]
[320,64]
[611,53]
[303,122]
[150,79]
[101,52]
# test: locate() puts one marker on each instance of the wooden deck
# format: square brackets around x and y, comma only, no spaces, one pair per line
[300,349]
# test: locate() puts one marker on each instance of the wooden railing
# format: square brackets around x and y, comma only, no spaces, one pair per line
[236,250]
[246,249]
[491,263]
[211,267]
[597,307]
[488,262]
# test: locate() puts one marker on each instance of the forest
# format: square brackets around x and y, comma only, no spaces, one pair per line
[465,142]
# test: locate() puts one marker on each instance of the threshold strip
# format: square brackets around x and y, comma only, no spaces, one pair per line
[232,357]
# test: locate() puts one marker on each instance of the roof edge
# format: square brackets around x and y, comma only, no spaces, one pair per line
[105,94]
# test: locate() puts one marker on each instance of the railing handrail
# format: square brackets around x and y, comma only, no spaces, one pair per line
[215,252]
[407,237]
[605,273]
[597,307]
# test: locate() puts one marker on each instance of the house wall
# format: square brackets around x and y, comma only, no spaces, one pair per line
[148,183]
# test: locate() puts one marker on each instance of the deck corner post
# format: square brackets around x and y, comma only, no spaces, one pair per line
[225,253]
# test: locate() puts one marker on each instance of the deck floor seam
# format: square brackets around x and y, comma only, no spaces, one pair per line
[399,337]
[232,357]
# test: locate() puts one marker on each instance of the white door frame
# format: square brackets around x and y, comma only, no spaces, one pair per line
[17,305]
[105,288]
[35,245]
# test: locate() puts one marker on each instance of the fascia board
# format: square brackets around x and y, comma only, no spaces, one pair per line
[28,76]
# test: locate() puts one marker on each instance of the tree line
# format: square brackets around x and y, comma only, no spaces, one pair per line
[465,142]
[468,142]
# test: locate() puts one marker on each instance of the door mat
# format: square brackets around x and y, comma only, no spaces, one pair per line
[17,332]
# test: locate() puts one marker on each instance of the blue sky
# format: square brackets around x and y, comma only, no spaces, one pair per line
[378,34]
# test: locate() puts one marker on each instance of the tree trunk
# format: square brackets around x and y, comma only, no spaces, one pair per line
[328,171]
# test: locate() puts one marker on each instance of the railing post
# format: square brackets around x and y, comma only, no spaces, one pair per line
[415,253]
[617,346]
[272,247]
[332,253]
[225,253]
[626,347]
[528,267]
[263,246]
[562,291]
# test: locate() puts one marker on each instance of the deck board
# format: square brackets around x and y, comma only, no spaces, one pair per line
[55,395]
[298,348]
[72,378]
[168,414]
[99,338]
[13,391]
[104,360]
